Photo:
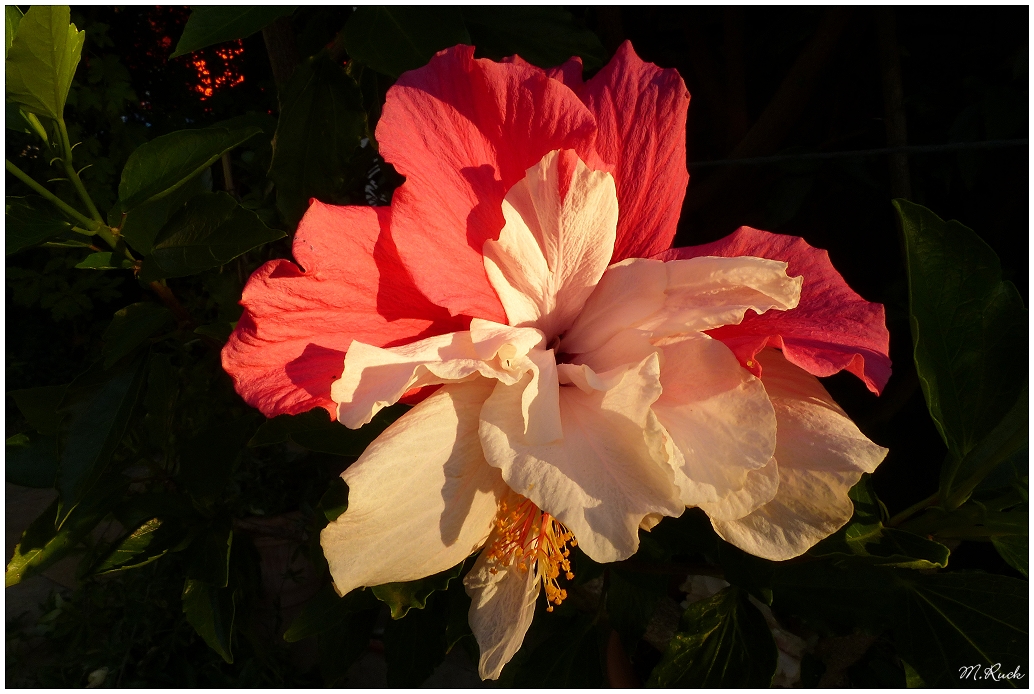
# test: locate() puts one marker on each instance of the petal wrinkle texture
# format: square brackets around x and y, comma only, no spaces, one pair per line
[719,417]
[668,298]
[832,328]
[640,113]
[608,472]
[290,343]
[420,499]
[821,454]
[375,378]
[502,606]
[557,242]
[463,132]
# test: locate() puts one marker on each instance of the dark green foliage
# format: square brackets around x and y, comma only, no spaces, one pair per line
[29,221]
[208,25]
[393,40]
[722,641]
[321,124]
[174,490]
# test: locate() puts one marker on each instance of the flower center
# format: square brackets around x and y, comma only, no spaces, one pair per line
[530,539]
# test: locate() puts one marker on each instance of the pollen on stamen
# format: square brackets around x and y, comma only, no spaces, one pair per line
[528,539]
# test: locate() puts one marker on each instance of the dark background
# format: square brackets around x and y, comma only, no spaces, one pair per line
[764,82]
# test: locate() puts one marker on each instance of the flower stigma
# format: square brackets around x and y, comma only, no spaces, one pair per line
[529,539]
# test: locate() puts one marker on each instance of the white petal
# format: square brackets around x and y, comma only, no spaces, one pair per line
[679,296]
[821,455]
[376,377]
[608,472]
[628,293]
[707,292]
[420,499]
[719,417]
[501,610]
[561,222]
[758,489]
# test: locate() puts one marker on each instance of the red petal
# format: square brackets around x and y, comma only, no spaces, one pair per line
[463,131]
[831,329]
[570,73]
[640,113]
[290,344]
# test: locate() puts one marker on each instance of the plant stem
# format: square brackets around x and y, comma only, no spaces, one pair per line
[66,159]
[172,303]
[61,204]
[899,518]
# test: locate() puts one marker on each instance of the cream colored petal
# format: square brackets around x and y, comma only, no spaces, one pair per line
[540,401]
[608,472]
[502,606]
[629,346]
[679,296]
[706,292]
[758,489]
[376,377]
[719,417]
[420,499]
[558,237]
[821,455]
[814,433]
[627,294]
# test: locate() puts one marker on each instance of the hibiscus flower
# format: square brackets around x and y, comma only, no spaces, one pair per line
[577,379]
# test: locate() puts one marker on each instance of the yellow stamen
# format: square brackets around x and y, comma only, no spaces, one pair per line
[530,539]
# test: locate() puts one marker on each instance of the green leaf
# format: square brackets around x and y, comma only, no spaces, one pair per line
[147,543]
[208,460]
[568,658]
[98,404]
[317,432]
[751,573]
[631,600]
[209,25]
[404,596]
[947,620]
[105,261]
[343,644]
[866,539]
[1015,550]
[131,327]
[44,543]
[144,222]
[322,122]
[968,326]
[326,610]
[41,60]
[334,501]
[40,407]
[210,554]
[211,611]
[723,641]
[542,35]
[210,230]
[158,168]
[415,646]
[960,478]
[31,461]
[13,17]
[29,221]
[15,117]
[395,39]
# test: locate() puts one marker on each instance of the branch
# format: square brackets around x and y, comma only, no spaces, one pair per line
[58,202]
[66,160]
